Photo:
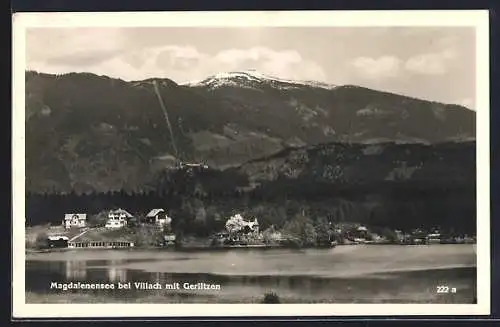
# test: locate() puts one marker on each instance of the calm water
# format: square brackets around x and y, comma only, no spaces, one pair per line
[360,273]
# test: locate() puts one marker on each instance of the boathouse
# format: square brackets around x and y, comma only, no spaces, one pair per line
[57,241]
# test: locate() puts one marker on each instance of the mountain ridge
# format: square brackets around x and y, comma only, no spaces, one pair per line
[85,131]
[228,73]
[252,75]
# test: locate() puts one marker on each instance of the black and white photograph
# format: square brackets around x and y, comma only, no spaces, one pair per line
[327,163]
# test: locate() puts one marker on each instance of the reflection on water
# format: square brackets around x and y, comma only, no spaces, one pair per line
[116,273]
[349,274]
[75,270]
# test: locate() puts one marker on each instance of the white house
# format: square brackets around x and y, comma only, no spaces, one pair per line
[158,217]
[362,229]
[118,218]
[361,234]
[433,238]
[78,220]
[237,224]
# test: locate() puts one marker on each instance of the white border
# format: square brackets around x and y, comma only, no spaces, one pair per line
[474,18]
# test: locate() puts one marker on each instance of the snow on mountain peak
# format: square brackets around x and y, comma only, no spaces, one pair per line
[249,78]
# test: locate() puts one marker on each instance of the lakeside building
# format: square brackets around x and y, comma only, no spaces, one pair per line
[57,241]
[237,227]
[158,217]
[74,220]
[353,234]
[169,239]
[100,244]
[433,238]
[360,234]
[118,218]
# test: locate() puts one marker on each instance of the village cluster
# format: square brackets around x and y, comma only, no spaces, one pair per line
[238,232]
[116,219]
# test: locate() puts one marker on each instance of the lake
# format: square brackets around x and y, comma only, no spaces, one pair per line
[345,274]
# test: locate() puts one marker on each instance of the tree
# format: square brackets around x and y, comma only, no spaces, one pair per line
[167,228]
[267,234]
[323,231]
[271,235]
[389,234]
[213,219]
[235,225]
[41,240]
[301,229]
[133,222]
[146,236]
[200,221]
[184,216]
[98,219]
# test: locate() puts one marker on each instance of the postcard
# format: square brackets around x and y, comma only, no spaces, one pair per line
[283,163]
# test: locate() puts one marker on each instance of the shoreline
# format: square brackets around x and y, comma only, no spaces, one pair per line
[221,248]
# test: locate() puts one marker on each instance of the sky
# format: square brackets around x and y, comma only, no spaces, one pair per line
[435,64]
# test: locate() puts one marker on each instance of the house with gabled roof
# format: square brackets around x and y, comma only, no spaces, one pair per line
[158,217]
[74,220]
[118,218]
[238,225]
